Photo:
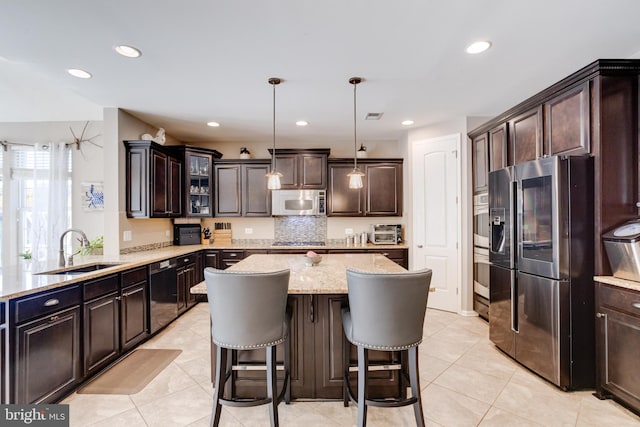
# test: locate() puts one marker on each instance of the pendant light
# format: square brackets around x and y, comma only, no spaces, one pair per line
[273,177]
[355,176]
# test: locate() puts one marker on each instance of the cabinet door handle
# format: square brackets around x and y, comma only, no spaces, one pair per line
[311,313]
[118,298]
[186,260]
[635,305]
[53,318]
[51,302]
[600,315]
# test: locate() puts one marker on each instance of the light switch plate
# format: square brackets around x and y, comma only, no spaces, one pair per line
[248,231]
[126,235]
[348,231]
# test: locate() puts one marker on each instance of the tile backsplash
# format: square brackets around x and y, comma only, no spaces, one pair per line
[300,228]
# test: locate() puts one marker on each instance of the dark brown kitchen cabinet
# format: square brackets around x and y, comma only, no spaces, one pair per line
[101,322]
[302,168]
[186,272]
[399,256]
[154,181]
[525,132]
[480,163]
[134,307]
[198,179]
[381,194]
[567,122]
[342,200]
[618,344]
[241,189]
[498,147]
[211,258]
[46,362]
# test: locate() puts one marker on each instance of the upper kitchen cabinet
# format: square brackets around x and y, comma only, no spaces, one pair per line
[566,122]
[302,168]
[381,194]
[480,164]
[198,177]
[154,181]
[526,136]
[498,147]
[241,188]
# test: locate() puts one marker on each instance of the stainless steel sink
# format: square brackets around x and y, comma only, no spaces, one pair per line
[80,269]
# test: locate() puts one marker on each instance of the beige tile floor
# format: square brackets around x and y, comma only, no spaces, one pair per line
[465,382]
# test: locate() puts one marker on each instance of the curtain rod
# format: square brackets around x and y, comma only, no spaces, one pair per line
[5,144]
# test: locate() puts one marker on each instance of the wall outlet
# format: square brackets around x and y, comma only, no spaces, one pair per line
[126,235]
[348,231]
[167,233]
[248,231]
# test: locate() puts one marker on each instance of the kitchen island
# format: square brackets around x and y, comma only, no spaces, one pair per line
[316,296]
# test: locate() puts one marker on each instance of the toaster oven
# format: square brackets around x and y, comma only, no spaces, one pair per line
[385,234]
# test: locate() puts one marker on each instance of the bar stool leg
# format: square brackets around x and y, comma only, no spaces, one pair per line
[221,375]
[414,378]
[363,369]
[271,381]
[346,350]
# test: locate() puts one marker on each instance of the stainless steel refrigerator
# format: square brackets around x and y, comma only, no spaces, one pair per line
[541,273]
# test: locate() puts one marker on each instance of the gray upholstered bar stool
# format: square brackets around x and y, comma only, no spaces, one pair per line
[248,311]
[386,313]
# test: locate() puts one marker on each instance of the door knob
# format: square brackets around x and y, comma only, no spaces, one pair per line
[420,246]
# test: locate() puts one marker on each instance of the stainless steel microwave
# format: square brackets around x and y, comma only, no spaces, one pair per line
[298,202]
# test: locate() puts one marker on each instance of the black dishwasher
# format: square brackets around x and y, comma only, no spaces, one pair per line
[163,294]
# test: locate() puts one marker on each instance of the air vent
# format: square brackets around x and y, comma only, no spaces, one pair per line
[373,116]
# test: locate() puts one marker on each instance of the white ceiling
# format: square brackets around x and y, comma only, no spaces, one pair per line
[210,60]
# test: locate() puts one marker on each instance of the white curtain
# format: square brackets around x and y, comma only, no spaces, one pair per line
[51,210]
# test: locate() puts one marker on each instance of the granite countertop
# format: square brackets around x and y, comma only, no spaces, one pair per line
[615,281]
[23,278]
[328,277]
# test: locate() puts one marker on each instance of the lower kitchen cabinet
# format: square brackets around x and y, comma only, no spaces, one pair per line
[101,332]
[187,277]
[46,362]
[399,256]
[134,308]
[618,344]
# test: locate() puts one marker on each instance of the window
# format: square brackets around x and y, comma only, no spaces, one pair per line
[38,199]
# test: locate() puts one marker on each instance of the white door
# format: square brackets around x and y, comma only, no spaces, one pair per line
[436,217]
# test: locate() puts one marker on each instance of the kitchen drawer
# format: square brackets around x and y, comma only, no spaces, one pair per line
[98,287]
[620,299]
[134,276]
[185,260]
[46,303]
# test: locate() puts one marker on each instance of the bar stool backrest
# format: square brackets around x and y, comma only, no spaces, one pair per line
[388,309]
[248,309]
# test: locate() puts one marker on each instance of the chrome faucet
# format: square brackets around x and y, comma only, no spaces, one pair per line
[83,243]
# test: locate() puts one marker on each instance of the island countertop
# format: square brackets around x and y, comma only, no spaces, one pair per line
[328,277]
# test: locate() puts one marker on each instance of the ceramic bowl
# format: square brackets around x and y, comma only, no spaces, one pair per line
[311,261]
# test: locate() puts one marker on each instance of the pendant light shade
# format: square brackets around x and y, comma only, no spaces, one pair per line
[355,176]
[273,177]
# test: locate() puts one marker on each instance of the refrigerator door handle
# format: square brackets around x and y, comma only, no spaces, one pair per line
[514,305]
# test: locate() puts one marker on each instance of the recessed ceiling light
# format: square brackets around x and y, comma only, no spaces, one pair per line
[407,122]
[128,51]
[478,47]
[302,123]
[81,74]
[213,124]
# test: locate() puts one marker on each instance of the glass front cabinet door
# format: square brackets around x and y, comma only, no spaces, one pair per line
[200,184]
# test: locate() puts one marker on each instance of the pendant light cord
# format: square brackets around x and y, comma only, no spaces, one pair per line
[273,157]
[355,138]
